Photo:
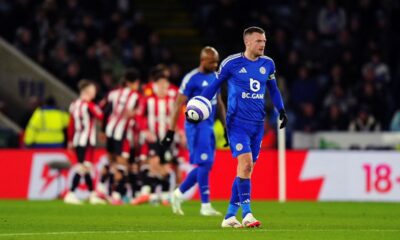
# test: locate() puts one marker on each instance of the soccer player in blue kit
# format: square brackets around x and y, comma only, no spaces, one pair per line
[248,75]
[200,136]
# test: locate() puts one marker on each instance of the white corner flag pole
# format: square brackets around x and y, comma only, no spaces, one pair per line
[281,163]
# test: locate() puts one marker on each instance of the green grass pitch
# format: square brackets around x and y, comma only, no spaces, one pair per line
[293,220]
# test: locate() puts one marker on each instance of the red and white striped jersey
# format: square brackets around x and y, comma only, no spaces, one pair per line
[121,100]
[82,128]
[156,112]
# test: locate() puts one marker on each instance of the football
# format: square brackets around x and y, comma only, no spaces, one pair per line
[198,108]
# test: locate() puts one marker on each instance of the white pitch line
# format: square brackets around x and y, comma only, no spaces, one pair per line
[193,231]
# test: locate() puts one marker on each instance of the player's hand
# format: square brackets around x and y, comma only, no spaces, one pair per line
[226,138]
[70,146]
[169,137]
[189,119]
[283,117]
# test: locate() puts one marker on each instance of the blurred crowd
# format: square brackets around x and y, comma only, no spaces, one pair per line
[77,39]
[337,61]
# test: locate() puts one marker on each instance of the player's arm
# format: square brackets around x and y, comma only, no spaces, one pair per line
[169,137]
[107,110]
[180,100]
[95,111]
[276,98]
[210,91]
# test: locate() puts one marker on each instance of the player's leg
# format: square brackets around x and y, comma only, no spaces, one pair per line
[256,138]
[206,156]
[150,178]
[119,189]
[164,165]
[245,168]
[119,194]
[177,195]
[203,174]
[234,205]
[201,144]
[106,175]
[87,164]
[165,182]
[241,189]
[146,183]
[133,174]
[191,178]
[239,141]
[88,169]
[71,197]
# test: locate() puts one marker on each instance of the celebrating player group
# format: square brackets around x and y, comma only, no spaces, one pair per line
[146,134]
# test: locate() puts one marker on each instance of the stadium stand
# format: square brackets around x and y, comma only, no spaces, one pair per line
[332,57]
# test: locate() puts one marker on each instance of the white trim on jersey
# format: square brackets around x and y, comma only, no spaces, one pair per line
[162,118]
[75,111]
[151,114]
[186,80]
[113,98]
[266,57]
[229,58]
[86,125]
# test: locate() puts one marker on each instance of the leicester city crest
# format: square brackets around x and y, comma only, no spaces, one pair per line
[262,70]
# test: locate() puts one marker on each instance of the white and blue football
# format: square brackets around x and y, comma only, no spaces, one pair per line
[198,108]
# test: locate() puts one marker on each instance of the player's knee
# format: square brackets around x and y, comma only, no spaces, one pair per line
[88,166]
[81,169]
[247,168]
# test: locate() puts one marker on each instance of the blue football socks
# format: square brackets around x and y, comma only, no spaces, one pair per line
[244,188]
[234,203]
[189,181]
[198,175]
[202,179]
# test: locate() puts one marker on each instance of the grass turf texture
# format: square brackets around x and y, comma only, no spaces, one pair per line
[293,220]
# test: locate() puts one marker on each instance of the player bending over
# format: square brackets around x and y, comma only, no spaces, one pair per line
[248,75]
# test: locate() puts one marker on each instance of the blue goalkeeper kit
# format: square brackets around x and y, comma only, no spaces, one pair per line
[200,137]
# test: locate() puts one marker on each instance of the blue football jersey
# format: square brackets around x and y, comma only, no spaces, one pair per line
[247,82]
[193,84]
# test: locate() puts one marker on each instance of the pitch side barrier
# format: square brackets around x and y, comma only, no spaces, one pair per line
[310,175]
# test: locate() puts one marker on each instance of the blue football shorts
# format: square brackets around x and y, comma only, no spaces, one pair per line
[245,138]
[201,143]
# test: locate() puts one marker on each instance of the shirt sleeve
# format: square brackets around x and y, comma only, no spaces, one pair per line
[222,75]
[96,111]
[187,85]
[273,89]
[271,73]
